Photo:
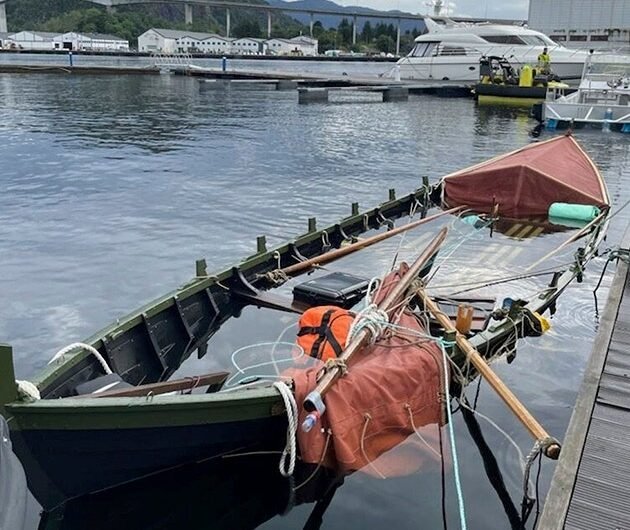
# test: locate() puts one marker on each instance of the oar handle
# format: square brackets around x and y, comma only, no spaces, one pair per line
[550,445]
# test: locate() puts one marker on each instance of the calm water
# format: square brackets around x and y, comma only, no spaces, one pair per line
[112,187]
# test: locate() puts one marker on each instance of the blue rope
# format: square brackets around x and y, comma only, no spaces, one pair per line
[451,434]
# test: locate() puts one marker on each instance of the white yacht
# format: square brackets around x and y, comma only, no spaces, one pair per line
[451,51]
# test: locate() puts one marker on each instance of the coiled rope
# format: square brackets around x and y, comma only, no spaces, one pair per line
[290,449]
[370,317]
[27,390]
[82,346]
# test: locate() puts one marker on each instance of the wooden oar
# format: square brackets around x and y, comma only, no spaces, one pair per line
[313,401]
[573,238]
[552,450]
[344,251]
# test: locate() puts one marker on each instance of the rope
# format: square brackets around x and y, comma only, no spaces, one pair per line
[372,318]
[413,425]
[82,346]
[368,418]
[289,450]
[451,433]
[27,391]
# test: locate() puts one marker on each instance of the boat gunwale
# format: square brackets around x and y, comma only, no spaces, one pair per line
[355,224]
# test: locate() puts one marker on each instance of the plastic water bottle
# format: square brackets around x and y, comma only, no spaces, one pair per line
[607,119]
[310,421]
[397,73]
[224,63]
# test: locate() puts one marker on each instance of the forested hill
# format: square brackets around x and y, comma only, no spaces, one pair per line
[130,21]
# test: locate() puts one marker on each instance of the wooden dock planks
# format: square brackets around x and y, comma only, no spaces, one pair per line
[590,489]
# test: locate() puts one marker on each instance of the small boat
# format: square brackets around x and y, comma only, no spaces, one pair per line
[501,84]
[107,411]
[602,100]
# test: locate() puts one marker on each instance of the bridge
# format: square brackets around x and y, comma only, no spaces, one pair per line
[269,10]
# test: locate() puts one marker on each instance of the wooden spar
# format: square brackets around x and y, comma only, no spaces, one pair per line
[552,449]
[359,245]
[214,380]
[573,238]
[364,336]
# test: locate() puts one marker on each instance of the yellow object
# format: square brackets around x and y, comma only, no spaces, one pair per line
[545,325]
[527,76]
[463,322]
[544,61]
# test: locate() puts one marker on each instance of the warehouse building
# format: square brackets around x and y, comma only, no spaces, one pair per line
[593,24]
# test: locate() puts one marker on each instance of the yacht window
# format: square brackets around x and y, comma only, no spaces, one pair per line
[422,49]
[503,39]
[451,50]
[534,40]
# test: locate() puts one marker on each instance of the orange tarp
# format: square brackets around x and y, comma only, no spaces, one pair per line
[527,181]
[393,387]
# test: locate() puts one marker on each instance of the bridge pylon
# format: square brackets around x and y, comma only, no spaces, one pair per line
[3,18]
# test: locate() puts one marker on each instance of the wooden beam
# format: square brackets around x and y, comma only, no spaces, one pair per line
[211,380]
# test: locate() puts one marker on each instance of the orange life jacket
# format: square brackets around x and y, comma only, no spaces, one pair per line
[323,331]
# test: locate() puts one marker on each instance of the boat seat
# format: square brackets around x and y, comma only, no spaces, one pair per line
[101,384]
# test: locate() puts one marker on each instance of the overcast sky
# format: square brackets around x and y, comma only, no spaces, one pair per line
[474,8]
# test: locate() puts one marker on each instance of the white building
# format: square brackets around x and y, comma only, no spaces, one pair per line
[171,41]
[156,40]
[249,46]
[33,40]
[215,44]
[308,45]
[583,23]
[90,41]
[283,47]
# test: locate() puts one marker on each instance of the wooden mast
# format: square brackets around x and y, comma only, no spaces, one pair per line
[313,401]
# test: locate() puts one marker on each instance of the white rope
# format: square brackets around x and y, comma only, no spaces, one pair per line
[292,416]
[27,390]
[370,317]
[82,346]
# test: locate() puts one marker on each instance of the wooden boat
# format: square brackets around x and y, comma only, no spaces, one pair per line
[72,441]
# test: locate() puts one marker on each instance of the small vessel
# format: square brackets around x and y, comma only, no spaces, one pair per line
[602,99]
[451,51]
[501,84]
[108,410]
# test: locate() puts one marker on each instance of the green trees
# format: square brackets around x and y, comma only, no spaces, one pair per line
[247,27]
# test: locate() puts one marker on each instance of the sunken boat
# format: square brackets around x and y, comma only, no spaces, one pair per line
[108,410]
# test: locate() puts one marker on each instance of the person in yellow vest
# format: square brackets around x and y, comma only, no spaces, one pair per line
[544,62]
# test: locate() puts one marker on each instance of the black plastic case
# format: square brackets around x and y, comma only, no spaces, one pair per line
[337,288]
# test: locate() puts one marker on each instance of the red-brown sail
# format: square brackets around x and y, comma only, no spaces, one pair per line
[393,388]
[527,181]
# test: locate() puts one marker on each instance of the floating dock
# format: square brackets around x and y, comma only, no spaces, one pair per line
[590,489]
[312,87]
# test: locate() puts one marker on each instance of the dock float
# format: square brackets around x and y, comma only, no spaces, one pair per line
[590,489]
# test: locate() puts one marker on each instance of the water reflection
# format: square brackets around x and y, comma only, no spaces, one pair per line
[238,492]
